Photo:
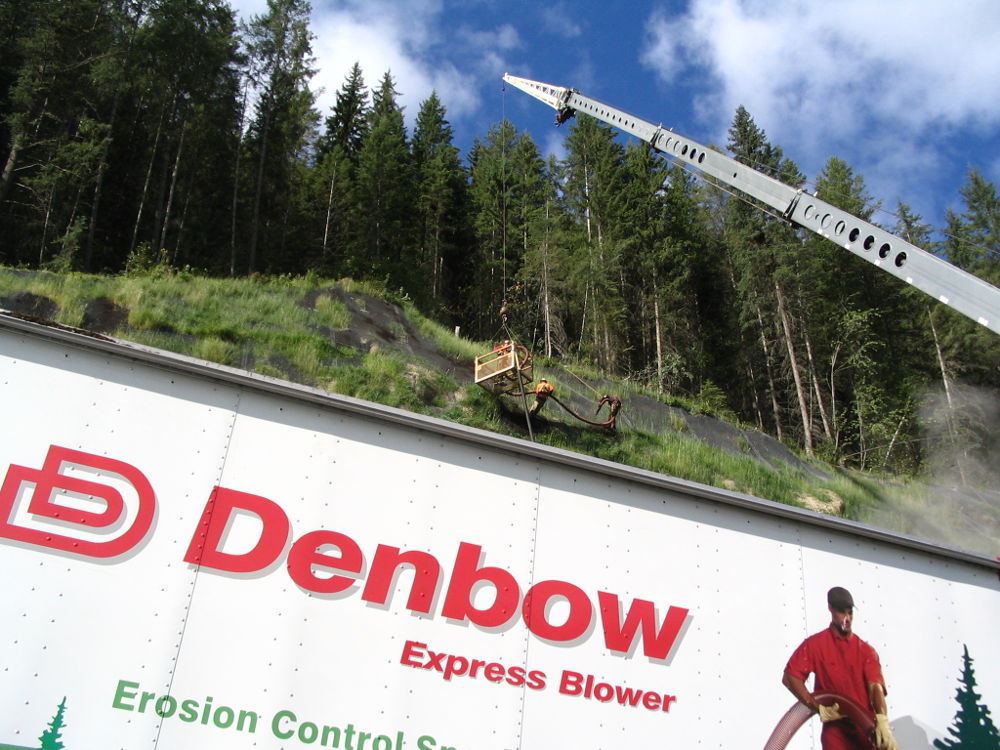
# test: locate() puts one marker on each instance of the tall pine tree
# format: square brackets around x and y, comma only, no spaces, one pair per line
[280,47]
[490,269]
[440,200]
[335,172]
[595,179]
[384,192]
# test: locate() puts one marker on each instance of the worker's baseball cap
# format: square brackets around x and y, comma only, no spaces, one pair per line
[840,599]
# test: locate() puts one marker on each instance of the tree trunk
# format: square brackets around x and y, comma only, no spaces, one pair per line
[255,220]
[786,326]
[45,226]
[892,442]
[658,332]
[102,166]
[835,424]
[436,260]
[546,301]
[173,186]
[827,430]
[768,368]
[758,410]
[329,218]
[180,229]
[236,183]
[947,393]
[145,186]
[7,177]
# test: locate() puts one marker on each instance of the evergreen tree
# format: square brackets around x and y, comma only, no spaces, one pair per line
[527,226]
[384,195]
[494,262]
[542,280]
[595,178]
[841,307]
[973,728]
[332,198]
[51,738]
[115,126]
[668,264]
[185,94]
[762,255]
[441,183]
[334,175]
[967,354]
[347,124]
[55,135]
[975,246]
[280,47]
[972,240]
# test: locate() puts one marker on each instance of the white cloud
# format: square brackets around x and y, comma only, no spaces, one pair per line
[867,81]
[559,20]
[247,8]
[404,37]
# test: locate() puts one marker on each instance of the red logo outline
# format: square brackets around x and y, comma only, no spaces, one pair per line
[42,503]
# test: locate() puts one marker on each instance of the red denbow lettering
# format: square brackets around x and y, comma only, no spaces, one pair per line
[311,553]
[581,611]
[221,507]
[620,637]
[465,575]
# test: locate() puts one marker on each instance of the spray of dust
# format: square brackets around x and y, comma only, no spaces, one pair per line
[957,503]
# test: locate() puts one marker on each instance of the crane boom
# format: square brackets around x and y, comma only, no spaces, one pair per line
[966,293]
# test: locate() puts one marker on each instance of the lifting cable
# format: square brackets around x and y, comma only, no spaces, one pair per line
[613,402]
[503,235]
[520,381]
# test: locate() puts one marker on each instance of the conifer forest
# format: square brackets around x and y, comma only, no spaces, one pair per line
[143,132]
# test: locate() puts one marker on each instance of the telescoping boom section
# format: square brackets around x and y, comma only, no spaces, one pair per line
[947,283]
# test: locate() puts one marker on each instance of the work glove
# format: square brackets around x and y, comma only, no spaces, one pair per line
[883,733]
[830,713]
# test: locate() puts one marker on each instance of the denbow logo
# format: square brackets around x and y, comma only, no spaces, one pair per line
[95,518]
[322,561]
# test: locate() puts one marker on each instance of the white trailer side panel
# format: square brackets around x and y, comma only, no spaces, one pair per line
[151,650]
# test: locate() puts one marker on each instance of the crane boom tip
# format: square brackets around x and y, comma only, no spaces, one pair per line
[544,92]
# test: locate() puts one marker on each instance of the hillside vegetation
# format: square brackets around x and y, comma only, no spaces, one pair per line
[357,340]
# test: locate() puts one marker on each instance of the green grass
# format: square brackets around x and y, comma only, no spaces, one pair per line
[386,378]
[266,325]
[444,337]
[233,322]
[332,312]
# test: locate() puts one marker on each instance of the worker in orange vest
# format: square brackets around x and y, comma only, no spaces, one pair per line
[543,390]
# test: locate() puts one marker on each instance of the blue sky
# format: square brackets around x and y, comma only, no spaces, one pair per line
[906,91]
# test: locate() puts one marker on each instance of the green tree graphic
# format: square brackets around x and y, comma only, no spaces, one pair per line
[973,728]
[50,738]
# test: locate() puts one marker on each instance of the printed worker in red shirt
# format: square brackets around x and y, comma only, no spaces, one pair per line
[843,664]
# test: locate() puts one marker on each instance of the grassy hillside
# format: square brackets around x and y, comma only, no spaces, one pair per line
[357,340]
